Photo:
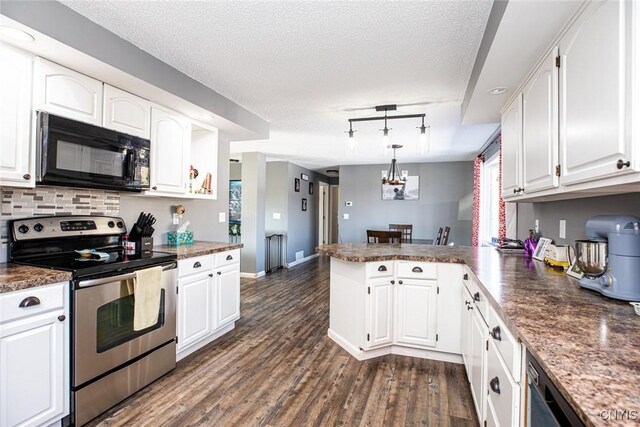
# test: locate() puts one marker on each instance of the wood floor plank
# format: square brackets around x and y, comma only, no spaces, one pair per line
[279,368]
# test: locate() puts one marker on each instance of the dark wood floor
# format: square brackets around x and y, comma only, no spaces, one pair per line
[279,368]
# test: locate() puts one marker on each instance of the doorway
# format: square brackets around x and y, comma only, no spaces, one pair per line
[323,213]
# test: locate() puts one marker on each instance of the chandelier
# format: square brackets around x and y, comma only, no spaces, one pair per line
[424,135]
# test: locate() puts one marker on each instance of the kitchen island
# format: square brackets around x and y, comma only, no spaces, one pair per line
[586,343]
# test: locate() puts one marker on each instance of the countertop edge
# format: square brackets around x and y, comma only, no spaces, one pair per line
[199,248]
[37,277]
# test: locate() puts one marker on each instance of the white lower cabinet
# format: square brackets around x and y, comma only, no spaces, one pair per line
[478,362]
[416,312]
[503,391]
[465,337]
[208,299]
[380,293]
[34,356]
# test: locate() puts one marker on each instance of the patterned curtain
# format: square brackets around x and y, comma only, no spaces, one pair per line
[475,220]
[502,218]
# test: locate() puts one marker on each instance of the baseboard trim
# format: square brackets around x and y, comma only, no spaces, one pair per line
[301,260]
[361,354]
[252,275]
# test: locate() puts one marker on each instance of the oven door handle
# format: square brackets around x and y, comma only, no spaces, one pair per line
[110,279]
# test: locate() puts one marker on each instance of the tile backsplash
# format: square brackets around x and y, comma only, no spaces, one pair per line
[47,201]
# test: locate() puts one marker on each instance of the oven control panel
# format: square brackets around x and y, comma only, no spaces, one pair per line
[66,226]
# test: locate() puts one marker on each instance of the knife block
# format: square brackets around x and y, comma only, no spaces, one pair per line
[144,245]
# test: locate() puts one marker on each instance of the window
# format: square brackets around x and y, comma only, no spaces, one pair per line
[490,200]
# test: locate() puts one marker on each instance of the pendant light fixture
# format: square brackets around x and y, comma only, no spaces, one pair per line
[393,175]
[423,143]
[351,142]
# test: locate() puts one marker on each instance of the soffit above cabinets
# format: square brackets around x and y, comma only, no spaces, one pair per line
[524,33]
[234,122]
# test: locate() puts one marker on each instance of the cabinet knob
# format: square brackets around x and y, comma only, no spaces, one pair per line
[469,307]
[393,282]
[495,385]
[29,302]
[465,277]
[219,273]
[210,274]
[476,296]
[154,188]
[27,176]
[62,318]
[621,163]
[515,190]
[496,333]
[467,302]
[399,282]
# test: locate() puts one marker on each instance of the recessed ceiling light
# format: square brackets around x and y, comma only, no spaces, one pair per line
[332,171]
[498,90]
[205,116]
[16,34]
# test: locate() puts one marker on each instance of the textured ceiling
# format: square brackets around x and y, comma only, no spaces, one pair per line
[304,66]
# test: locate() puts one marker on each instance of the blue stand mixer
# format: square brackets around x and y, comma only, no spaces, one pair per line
[610,259]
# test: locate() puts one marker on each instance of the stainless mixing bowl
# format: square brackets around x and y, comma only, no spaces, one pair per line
[591,257]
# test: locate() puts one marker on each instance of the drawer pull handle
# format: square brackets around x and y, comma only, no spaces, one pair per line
[476,296]
[495,385]
[29,302]
[495,333]
[229,257]
[621,163]
[62,318]
[382,268]
[197,264]
[417,270]
[399,282]
[465,277]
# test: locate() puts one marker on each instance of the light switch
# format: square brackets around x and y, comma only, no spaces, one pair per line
[562,229]
[175,219]
[222,216]
[276,215]
[345,216]
[537,226]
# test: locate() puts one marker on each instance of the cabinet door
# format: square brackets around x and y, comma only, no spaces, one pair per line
[595,94]
[465,344]
[67,93]
[169,151]
[512,149]
[379,313]
[195,310]
[126,113]
[478,362]
[33,356]
[540,127]
[227,295]
[17,162]
[416,312]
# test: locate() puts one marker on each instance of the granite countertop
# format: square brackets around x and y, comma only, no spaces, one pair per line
[588,344]
[199,248]
[15,277]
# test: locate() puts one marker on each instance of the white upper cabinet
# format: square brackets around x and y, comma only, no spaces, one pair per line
[540,127]
[595,94]
[512,149]
[17,162]
[67,93]
[170,151]
[126,113]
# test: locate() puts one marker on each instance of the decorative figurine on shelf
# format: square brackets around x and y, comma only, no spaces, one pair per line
[530,244]
[206,184]
[193,174]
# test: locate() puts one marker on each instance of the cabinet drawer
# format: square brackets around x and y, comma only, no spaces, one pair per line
[195,265]
[478,297]
[503,392]
[35,300]
[226,258]
[380,269]
[506,345]
[417,270]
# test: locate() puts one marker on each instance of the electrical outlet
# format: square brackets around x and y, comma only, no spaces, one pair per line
[348,203]
[222,216]
[562,229]
[276,215]
[536,228]
[175,219]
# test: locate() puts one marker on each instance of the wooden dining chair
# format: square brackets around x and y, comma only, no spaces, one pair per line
[438,237]
[445,236]
[405,229]
[375,236]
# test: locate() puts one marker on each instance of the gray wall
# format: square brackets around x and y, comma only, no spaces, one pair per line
[277,197]
[302,233]
[69,27]
[253,205]
[576,212]
[446,196]
[203,214]
[235,171]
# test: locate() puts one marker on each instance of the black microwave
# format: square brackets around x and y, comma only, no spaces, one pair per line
[77,154]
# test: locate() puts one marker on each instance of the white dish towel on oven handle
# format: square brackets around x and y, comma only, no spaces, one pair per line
[147,287]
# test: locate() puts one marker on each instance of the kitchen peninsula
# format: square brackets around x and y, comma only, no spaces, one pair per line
[408,299]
